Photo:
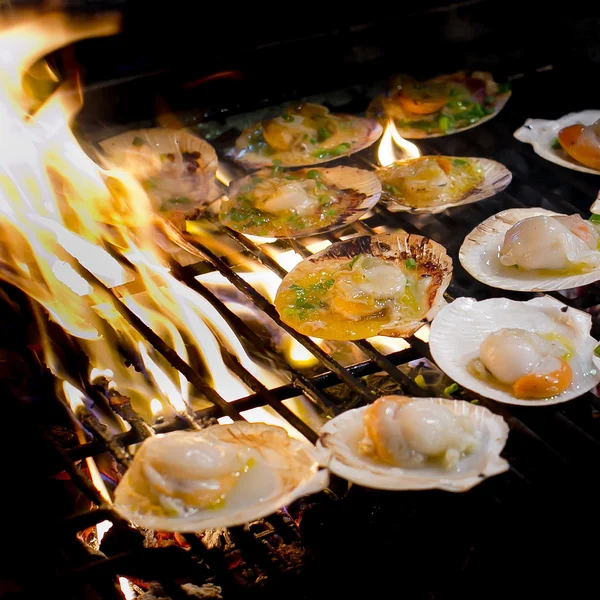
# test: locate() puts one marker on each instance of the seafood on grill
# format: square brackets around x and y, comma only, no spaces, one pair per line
[434,183]
[304,134]
[403,443]
[573,141]
[277,203]
[532,250]
[176,168]
[440,106]
[531,353]
[388,284]
[221,476]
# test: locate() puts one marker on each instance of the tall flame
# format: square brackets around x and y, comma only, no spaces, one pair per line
[386,153]
[69,225]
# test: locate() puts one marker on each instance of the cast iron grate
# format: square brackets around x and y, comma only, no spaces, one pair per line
[551,450]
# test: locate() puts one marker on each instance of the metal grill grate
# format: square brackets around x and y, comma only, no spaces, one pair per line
[549,448]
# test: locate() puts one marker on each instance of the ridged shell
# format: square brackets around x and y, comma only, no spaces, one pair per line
[252,160]
[496,178]
[293,468]
[170,141]
[540,133]
[431,258]
[458,330]
[341,435]
[364,183]
[479,256]
[377,109]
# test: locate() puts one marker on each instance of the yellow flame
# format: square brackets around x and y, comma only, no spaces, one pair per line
[62,215]
[386,154]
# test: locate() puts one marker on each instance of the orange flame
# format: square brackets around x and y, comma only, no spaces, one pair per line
[386,153]
[62,215]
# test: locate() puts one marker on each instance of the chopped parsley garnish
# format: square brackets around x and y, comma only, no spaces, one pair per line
[503,88]
[451,389]
[276,168]
[490,99]
[353,261]
[515,266]
[331,152]
[181,200]
[556,144]
[597,350]
[330,212]
[313,140]
[138,141]
[410,263]
[459,162]
[390,189]
[287,118]
[308,298]
[595,219]
[444,123]
[323,134]
[313,174]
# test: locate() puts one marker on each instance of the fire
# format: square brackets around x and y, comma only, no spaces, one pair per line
[386,154]
[69,225]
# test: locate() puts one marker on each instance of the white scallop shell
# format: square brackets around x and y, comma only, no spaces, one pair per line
[460,327]
[342,434]
[479,255]
[285,470]
[417,134]
[496,178]
[290,158]
[343,178]
[540,133]
[169,141]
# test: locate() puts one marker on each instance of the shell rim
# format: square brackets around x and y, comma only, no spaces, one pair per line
[527,134]
[404,479]
[317,481]
[497,395]
[487,189]
[363,244]
[415,134]
[252,160]
[362,208]
[469,259]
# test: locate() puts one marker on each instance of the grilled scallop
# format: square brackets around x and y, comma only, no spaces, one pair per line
[533,250]
[277,203]
[381,285]
[304,134]
[531,353]
[402,443]
[222,476]
[176,168]
[442,105]
[431,184]
[571,141]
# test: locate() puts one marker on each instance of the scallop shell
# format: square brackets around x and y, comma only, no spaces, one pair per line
[377,107]
[170,141]
[458,330]
[431,259]
[496,178]
[540,133]
[341,436]
[479,256]
[364,183]
[285,470]
[253,160]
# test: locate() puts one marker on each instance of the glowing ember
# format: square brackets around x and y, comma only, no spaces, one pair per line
[127,588]
[386,154]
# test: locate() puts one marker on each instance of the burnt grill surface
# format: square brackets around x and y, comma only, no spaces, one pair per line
[535,524]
